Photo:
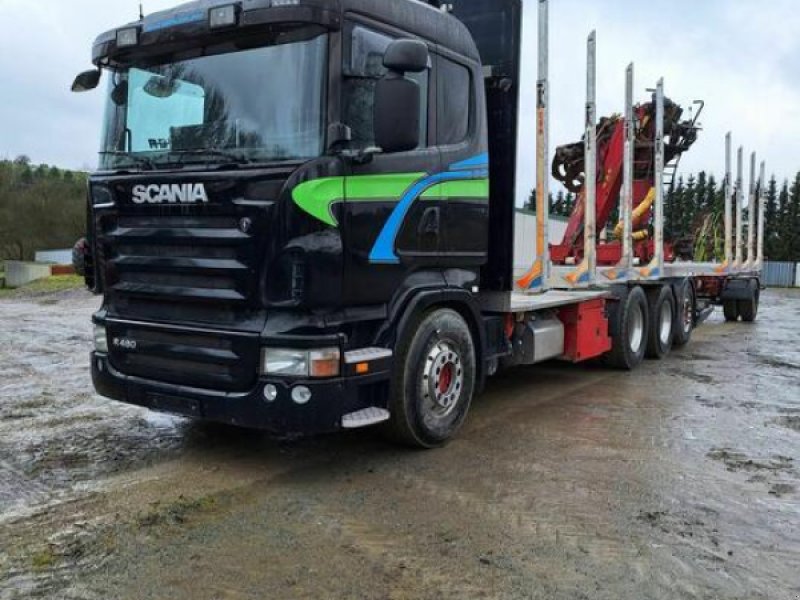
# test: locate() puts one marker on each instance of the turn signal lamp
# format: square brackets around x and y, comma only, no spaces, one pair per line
[325,363]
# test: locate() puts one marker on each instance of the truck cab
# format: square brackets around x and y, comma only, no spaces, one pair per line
[285,189]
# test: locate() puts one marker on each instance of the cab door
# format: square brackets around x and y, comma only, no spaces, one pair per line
[393,217]
[461,139]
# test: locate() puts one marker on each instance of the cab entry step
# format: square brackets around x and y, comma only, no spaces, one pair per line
[365,418]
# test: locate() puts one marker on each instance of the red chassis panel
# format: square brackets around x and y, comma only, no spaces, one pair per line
[585,330]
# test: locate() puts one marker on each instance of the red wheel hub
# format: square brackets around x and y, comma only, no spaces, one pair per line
[446,378]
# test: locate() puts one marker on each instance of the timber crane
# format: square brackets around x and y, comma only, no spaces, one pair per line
[569,169]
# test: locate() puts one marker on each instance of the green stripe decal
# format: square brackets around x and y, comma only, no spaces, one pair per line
[476,189]
[390,186]
[317,197]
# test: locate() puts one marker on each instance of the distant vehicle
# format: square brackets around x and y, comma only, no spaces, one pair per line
[303,219]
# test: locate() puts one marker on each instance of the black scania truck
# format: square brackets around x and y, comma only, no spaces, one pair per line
[296,226]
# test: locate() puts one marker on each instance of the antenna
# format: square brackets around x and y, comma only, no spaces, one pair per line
[141,11]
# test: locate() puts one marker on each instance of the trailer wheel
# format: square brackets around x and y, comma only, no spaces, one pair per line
[684,321]
[730,308]
[434,380]
[661,306]
[630,340]
[748,309]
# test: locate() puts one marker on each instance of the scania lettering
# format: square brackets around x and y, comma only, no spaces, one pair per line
[304,219]
[187,193]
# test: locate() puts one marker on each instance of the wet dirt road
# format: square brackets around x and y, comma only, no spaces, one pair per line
[681,480]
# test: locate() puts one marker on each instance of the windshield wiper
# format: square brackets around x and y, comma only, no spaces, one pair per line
[232,157]
[142,161]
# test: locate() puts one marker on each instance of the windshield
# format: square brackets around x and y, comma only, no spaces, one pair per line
[261,104]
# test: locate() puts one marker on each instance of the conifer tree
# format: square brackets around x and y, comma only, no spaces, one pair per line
[771,238]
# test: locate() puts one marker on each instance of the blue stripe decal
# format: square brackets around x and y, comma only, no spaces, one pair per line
[180,19]
[584,278]
[536,283]
[482,160]
[383,251]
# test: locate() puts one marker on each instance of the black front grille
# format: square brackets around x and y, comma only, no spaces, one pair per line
[179,260]
[223,361]
[186,272]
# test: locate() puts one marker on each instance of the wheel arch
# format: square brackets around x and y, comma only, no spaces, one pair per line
[427,300]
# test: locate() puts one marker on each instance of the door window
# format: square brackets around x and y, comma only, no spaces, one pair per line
[363,67]
[454,102]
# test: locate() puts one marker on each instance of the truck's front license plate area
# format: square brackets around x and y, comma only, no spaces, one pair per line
[175,405]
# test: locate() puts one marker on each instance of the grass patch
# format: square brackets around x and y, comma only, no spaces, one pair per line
[44,287]
[177,512]
[44,559]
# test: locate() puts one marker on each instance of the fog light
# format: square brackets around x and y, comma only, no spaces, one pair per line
[301,395]
[128,37]
[100,339]
[270,393]
[223,16]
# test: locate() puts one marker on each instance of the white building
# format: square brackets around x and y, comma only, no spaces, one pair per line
[525,239]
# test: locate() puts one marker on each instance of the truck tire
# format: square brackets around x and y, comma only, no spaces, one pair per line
[434,380]
[661,307]
[748,309]
[730,308]
[684,314]
[630,339]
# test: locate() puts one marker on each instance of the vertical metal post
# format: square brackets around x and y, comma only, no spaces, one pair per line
[543,144]
[739,203]
[728,200]
[537,277]
[590,208]
[659,178]
[627,185]
[762,201]
[751,213]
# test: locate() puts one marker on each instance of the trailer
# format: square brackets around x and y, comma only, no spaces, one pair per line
[337,251]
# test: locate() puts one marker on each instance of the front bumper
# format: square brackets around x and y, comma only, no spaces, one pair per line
[331,400]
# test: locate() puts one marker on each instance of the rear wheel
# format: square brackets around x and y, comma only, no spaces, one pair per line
[730,309]
[630,339]
[434,380]
[661,307]
[748,309]
[684,319]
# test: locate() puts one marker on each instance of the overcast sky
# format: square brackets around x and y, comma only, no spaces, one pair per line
[741,56]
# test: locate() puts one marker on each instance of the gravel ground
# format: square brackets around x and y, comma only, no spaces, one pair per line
[681,480]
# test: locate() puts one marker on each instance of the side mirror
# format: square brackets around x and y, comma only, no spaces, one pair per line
[87,81]
[397,98]
[406,56]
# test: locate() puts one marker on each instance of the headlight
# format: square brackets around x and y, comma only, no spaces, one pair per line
[100,339]
[285,362]
[302,363]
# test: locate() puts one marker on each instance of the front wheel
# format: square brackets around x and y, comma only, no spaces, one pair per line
[434,380]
